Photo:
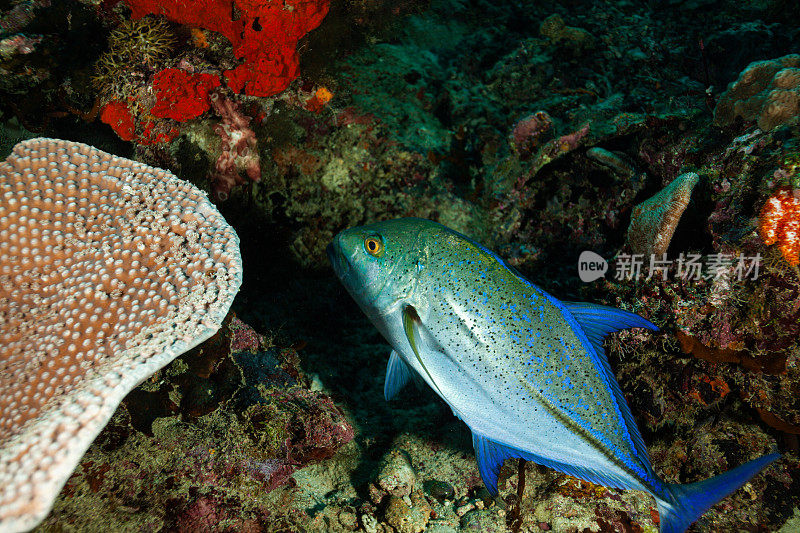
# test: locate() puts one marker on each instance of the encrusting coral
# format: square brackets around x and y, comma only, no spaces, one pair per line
[109,269]
[767,92]
[182,95]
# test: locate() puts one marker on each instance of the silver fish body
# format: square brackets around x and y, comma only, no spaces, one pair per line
[525,371]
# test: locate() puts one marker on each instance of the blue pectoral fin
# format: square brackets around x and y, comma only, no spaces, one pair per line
[398,374]
[689,502]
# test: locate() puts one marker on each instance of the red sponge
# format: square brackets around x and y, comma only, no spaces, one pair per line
[264,36]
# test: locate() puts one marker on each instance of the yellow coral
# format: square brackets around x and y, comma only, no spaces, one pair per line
[134,44]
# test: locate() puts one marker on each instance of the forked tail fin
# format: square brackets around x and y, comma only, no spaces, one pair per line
[690,501]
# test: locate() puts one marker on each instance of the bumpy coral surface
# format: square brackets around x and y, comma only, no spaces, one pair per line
[653,222]
[767,92]
[109,269]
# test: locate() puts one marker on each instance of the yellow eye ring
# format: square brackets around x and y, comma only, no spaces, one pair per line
[373,246]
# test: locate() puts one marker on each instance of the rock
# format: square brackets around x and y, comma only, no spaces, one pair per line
[408,514]
[348,520]
[369,523]
[396,475]
[440,528]
[484,520]
[439,490]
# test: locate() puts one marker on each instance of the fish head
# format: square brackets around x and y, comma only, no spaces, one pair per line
[379,263]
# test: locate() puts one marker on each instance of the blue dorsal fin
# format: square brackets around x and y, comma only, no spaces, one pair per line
[597,321]
[491,454]
[398,375]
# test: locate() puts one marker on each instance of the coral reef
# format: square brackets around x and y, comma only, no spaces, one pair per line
[229,467]
[347,172]
[543,130]
[101,285]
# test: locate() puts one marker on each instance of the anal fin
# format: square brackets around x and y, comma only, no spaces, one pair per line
[491,454]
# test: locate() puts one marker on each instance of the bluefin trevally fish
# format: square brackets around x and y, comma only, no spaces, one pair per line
[526,372]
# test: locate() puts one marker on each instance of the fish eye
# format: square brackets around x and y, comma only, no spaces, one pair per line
[374,246]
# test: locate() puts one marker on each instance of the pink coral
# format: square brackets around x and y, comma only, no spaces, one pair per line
[243,337]
[570,141]
[109,269]
[530,132]
[239,148]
